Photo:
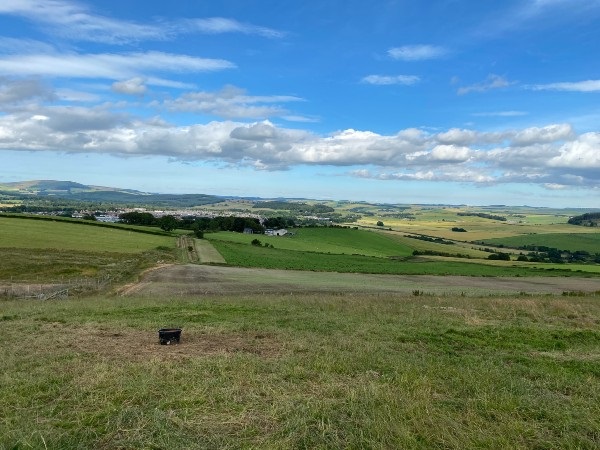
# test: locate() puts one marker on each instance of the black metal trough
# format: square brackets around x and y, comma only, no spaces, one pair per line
[168,336]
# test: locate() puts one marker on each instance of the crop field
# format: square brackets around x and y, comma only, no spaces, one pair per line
[302,371]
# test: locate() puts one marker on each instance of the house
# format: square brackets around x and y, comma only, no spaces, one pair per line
[280,232]
[248,230]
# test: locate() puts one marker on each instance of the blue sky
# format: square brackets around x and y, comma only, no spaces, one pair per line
[442,101]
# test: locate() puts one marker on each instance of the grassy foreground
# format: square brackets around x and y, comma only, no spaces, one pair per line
[301,371]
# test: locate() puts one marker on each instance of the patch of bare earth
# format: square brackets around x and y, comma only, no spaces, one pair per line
[192,279]
[131,344]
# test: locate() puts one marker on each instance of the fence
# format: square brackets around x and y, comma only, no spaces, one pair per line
[62,289]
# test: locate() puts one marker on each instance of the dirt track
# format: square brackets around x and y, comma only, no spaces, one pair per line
[194,279]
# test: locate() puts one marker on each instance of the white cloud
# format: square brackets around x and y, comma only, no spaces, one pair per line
[416,52]
[491,82]
[73,21]
[133,86]
[107,65]
[450,153]
[550,133]
[501,114]
[582,153]
[384,80]
[555,186]
[577,86]
[550,155]
[218,25]
[458,136]
[232,102]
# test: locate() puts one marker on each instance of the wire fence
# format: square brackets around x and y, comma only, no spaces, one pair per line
[61,289]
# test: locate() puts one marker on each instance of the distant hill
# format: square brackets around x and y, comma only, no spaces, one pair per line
[53,190]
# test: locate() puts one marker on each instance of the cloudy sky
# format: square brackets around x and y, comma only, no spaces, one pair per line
[437,101]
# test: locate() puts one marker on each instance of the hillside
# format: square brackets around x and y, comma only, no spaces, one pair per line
[53,190]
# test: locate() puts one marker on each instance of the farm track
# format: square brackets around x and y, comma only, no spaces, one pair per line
[186,244]
[192,279]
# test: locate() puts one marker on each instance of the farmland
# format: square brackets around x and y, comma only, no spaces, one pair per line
[52,252]
[331,337]
[302,371]
[36,234]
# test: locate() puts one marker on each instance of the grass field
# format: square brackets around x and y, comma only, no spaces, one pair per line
[325,240]
[302,371]
[37,234]
[35,251]
[246,255]
[589,242]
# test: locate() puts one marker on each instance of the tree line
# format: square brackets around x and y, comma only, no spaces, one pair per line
[202,224]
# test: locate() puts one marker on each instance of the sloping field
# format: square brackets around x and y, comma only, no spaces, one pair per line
[37,234]
[345,241]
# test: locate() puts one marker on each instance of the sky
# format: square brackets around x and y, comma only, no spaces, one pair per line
[391,101]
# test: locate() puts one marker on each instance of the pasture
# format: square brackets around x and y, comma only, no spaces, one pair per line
[52,252]
[67,235]
[342,241]
[337,370]
[305,358]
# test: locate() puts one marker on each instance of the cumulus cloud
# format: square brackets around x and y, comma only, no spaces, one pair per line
[549,156]
[133,86]
[491,82]
[537,135]
[384,80]
[416,52]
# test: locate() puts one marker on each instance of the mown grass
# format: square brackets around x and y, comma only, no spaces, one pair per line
[246,255]
[333,371]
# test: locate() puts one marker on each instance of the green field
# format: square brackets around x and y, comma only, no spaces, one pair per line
[302,371]
[275,366]
[246,255]
[589,242]
[37,234]
[55,251]
[325,240]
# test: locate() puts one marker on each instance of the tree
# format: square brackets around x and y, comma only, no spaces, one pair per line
[197,231]
[167,223]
